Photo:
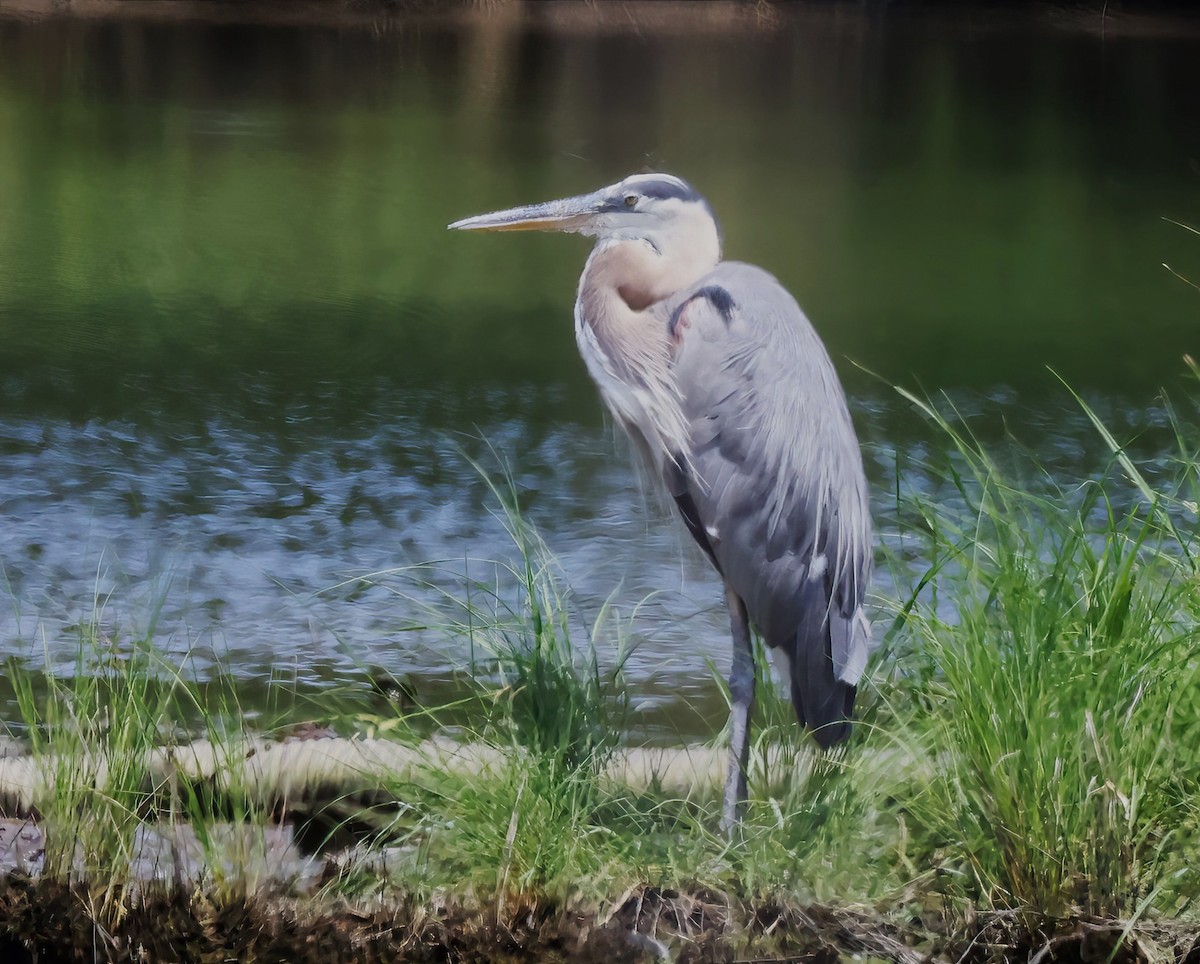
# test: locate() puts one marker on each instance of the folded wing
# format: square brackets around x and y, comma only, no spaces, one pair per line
[773,486]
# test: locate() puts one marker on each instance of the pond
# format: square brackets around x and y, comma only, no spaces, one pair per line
[243,364]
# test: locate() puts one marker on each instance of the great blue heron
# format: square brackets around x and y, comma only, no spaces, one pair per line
[717,376]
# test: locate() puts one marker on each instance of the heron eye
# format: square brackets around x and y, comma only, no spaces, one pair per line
[631,200]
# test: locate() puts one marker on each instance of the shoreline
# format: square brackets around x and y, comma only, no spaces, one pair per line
[631,17]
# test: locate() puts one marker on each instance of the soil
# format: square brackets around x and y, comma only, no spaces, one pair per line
[48,922]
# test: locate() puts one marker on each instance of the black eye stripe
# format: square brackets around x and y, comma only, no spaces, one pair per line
[660,189]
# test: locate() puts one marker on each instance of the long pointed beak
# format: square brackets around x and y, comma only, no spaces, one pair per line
[568,214]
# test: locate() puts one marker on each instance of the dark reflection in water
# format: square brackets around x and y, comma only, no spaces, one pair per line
[241,360]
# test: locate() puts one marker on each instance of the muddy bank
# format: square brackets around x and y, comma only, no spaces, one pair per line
[290,884]
[50,922]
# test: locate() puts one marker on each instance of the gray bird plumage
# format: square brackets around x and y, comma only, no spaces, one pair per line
[775,476]
[725,388]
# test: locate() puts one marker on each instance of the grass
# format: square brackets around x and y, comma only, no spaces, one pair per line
[1029,744]
[1056,639]
[555,699]
[549,821]
[97,736]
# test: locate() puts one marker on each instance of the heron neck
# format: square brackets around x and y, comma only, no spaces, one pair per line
[621,283]
[626,344]
[641,275]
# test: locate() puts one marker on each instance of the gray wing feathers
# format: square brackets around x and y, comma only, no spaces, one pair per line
[775,475]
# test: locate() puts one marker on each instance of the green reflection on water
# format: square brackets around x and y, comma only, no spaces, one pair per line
[954,204]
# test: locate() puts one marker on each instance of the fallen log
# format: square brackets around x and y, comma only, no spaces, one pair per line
[303,771]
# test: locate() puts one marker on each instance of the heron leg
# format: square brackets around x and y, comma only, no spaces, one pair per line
[741,694]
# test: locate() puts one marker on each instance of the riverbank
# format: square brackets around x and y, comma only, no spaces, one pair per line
[320,868]
[649,925]
[1022,783]
[632,17]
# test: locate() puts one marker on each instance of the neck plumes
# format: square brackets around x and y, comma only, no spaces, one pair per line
[622,334]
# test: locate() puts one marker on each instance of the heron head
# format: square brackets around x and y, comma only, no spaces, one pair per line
[660,209]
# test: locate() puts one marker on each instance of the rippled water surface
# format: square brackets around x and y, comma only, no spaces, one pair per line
[242,364]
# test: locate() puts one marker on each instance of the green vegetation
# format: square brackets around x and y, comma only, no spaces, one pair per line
[554,700]
[98,741]
[1029,752]
[1058,639]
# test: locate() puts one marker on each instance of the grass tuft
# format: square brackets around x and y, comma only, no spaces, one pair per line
[556,700]
[1055,638]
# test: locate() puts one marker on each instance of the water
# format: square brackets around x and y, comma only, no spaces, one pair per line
[242,362]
